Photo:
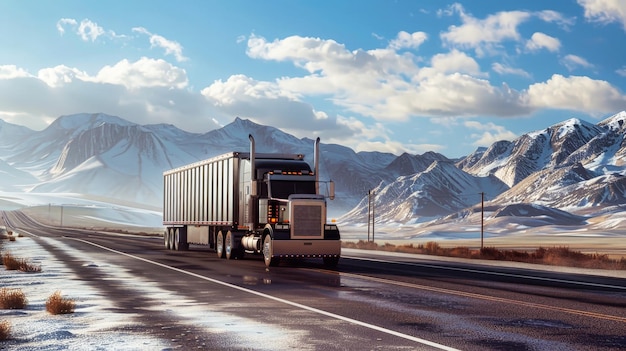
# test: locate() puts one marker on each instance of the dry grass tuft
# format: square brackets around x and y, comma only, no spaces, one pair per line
[26,266]
[13,263]
[10,263]
[5,330]
[557,256]
[12,299]
[56,304]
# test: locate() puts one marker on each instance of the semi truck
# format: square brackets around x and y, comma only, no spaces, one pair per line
[240,203]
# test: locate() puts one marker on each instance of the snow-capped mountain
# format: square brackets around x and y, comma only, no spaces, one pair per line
[513,161]
[407,164]
[438,190]
[10,134]
[100,155]
[569,166]
[109,157]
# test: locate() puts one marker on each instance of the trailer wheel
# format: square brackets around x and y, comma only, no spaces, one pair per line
[219,245]
[228,245]
[171,238]
[268,251]
[166,238]
[176,239]
[180,241]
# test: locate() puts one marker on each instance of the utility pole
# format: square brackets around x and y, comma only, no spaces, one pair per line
[371,218]
[373,213]
[369,213]
[482,219]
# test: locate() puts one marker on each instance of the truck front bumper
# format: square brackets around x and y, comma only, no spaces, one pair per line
[306,248]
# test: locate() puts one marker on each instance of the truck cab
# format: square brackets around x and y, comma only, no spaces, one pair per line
[289,209]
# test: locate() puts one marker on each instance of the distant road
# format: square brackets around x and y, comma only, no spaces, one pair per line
[371,302]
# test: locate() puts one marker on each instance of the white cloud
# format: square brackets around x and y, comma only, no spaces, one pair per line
[146,91]
[312,54]
[171,47]
[406,40]
[354,79]
[450,10]
[240,87]
[556,17]
[142,73]
[89,30]
[484,35]
[576,93]
[61,75]
[573,62]
[377,36]
[505,69]
[86,29]
[488,133]
[621,71]
[387,86]
[12,71]
[605,11]
[63,22]
[540,41]
[456,61]
[454,94]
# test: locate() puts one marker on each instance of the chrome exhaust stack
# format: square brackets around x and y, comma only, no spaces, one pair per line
[252,166]
[316,165]
[316,161]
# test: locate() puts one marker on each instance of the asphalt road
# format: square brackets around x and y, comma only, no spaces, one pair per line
[370,302]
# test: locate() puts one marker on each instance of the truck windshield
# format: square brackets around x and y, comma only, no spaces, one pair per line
[281,189]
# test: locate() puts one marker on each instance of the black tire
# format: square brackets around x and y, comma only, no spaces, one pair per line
[231,251]
[219,245]
[171,238]
[270,261]
[177,239]
[180,240]
[166,238]
[228,246]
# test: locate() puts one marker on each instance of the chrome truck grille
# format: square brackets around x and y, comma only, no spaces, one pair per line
[308,220]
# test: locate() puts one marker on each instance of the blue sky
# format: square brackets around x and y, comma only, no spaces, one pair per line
[373,75]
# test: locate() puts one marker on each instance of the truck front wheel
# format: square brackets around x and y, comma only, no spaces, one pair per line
[268,251]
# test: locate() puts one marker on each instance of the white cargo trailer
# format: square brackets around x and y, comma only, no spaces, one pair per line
[244,202]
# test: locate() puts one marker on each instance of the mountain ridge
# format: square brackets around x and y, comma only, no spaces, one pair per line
[572,165]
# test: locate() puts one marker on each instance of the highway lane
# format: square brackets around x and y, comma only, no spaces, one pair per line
[369,302]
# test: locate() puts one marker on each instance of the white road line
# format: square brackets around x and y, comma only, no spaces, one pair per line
[469,270]
[291,303]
